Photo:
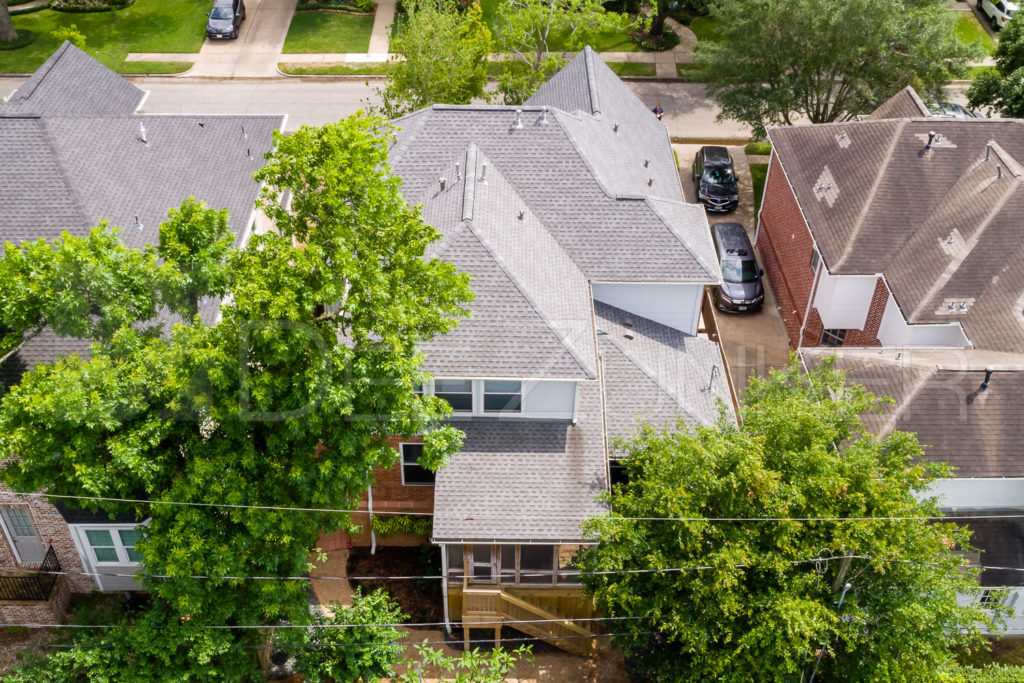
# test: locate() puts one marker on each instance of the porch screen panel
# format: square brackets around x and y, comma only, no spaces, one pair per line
[536,563]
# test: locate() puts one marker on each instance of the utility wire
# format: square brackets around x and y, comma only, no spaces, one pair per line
[485,517]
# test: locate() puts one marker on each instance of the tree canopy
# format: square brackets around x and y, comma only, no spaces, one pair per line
[283,397]
[827,60]
[758,599]
[1002,88]
[445,54]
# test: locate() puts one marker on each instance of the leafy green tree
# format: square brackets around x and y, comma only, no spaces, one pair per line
[287,400]
[70,34]
[325,654]
[758,609]
[470,667]
[445,53]
[1002,89]
[527,29]
[827,60]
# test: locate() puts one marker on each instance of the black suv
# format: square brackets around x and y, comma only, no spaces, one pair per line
[715,179]
[225,19]
[741,289]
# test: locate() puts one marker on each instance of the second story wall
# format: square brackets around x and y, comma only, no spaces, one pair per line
[674,305]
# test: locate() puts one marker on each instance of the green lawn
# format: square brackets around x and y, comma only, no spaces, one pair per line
[758,148]
[969,30]
[758,174]
[349,69]
[705,28]
[328,32]
[632,68]
[146,26]
[607,41]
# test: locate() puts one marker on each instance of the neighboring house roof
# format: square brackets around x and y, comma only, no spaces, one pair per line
[523,481]
[904,104]
[940,221]
[75,153]
[71,83]
[657,374]
[939,397]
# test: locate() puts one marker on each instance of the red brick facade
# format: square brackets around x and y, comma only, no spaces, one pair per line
[50,612]
[52,530]
[786,247]
[785,244]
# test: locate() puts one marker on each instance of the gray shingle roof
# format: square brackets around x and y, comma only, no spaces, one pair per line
[904,104]
[71,83]
[940,223]
[657,374]
[73,156]
[978,433]
[523,481]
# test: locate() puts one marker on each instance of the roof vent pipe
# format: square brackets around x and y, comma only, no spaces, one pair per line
[244,134]
[138,225]
[142,133]
[985,382]
[458,171]
[248,154]
[999,172]
[543,115]
[615,128]
[647,162]
[442,181]
[519,119]
[988,151]
[483,173]
[931,138]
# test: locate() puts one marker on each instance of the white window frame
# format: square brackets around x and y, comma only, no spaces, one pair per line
[401,458]
[478,398]
[119,547]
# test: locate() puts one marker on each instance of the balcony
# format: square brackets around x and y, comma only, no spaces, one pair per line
[32,585]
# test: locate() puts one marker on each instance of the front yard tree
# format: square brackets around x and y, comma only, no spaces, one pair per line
[827,60]
[287,400]
[747,604]
[444,52]
[1002,89]
[7,32]
[526,29]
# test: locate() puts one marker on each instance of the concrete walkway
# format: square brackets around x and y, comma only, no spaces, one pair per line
[380,36]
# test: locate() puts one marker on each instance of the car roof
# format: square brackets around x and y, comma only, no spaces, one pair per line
[732,241]
[223,3]
[716,154]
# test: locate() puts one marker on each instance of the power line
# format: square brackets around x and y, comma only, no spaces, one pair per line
[485,517]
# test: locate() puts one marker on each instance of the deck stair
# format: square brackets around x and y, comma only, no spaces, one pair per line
[488,607]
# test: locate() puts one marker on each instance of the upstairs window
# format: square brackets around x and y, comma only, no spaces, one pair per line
[413,473]
[113,546]
[503,396]
[833,337]
[458,393]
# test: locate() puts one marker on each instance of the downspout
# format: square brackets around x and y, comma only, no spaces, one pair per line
[444,586]
[810,301]
[369,509]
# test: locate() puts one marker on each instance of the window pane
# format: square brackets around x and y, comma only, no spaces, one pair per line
[500,386]
[453,386]
[129,537]
[21,523]
[99,538]
[567,555]
[134,555]
[502,403]
[536,563]
[508,564]
[105,554]
[454,559]
[412,472]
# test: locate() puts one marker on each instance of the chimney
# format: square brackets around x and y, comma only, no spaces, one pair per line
[985,382]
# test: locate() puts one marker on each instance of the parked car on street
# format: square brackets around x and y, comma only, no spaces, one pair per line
[998,12]
[225,18]
[741,288]
[715,178]
[950,109]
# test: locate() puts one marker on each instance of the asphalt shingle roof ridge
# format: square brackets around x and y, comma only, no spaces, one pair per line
[495,177]
[711,269]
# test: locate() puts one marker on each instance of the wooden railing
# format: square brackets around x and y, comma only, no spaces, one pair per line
[490,607]
[32,584]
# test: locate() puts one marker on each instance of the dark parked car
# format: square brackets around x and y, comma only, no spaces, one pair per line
[226,18]
[715,179]
[741,289]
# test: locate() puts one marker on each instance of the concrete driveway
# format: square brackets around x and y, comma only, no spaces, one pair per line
[256,51]
[753,342]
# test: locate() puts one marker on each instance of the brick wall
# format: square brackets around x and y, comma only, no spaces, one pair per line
[869,335]
[50,612]
[785,245]
[52,530]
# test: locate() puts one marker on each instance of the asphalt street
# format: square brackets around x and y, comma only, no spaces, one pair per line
[689,112]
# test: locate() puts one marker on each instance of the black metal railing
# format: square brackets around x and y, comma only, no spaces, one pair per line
[32,584]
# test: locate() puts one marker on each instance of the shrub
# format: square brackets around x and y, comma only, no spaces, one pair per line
[402,524]
[645,41]
[71,34]
[994,673]
[83,6]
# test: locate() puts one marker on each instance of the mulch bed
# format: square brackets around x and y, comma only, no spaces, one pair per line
[419,598]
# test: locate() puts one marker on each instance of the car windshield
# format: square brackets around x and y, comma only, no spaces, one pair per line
[739,271]
[221,13]
[721,176]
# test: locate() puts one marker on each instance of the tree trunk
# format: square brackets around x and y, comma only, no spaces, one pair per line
[658,19]
[7,32]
